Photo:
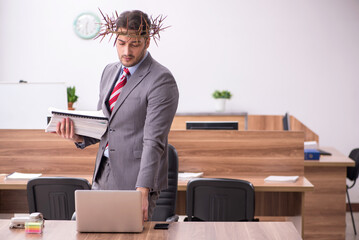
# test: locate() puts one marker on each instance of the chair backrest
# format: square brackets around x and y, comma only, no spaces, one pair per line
[352,172]
[54,197]
[214,199]
[166,203]
[286,122]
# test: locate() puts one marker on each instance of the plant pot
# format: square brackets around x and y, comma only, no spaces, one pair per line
[69,106]
[220,104]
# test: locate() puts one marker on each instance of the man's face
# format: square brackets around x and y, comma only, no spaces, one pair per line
[131,49]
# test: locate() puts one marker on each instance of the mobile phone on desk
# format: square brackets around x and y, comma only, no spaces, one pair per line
[163,226]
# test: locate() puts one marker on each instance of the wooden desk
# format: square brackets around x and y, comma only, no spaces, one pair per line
[54,230]
[325,207]
[301,185]
[239,153]
[17,189]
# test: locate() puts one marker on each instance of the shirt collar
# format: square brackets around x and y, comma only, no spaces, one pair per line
[134,68]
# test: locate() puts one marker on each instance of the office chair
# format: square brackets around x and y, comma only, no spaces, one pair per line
[166,203]
[286,122]
[352,174]
[54,197]
[215,199]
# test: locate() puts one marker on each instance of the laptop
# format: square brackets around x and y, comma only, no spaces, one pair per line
[108,211]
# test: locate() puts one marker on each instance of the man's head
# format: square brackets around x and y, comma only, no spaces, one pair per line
[133,36]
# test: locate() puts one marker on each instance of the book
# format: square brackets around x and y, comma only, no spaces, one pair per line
[311,154]
[87,123]
[22,176]
[281,179]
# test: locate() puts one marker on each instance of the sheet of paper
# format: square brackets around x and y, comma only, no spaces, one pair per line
[281,179]
[17,175]
[189,175]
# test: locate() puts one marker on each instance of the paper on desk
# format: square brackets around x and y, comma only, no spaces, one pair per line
[281,179]
[189,175]
[310,145]
[22,176]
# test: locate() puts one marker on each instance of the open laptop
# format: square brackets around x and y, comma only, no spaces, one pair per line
[108,211]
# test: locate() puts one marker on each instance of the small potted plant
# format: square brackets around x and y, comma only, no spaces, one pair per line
[221,97]
[71,97]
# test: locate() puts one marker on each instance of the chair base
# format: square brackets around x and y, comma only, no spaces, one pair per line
[351,212]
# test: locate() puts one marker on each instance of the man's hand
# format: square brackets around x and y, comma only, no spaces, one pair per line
[66,129]
[145,192]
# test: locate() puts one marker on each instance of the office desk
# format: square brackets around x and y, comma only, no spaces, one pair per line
[325,207]
[180,230]
[300,186]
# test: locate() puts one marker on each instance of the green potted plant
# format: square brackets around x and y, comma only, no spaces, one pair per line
[221,97]
[71,97]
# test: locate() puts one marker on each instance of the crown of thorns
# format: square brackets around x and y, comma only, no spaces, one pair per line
[145,29]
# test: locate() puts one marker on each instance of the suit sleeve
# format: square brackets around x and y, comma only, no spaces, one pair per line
[161,108]
[87,142]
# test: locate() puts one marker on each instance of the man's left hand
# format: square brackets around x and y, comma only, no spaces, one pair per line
[145,192]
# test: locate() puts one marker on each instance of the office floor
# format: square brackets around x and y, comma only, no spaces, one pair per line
[349,230]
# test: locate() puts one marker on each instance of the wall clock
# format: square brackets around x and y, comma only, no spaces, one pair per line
[87,25]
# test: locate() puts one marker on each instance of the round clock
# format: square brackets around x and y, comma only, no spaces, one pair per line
[87,25]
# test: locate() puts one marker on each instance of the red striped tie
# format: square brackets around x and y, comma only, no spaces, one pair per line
[118,88]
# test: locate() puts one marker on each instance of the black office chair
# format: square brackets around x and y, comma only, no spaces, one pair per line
[352,174]
[166,203]
[215,199]
[286,122]
[54,197]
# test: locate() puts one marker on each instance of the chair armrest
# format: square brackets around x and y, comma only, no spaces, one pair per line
[73,218]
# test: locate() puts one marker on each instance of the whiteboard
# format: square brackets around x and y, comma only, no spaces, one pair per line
[25,105]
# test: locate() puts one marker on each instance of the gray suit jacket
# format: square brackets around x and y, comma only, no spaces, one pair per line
[138,125]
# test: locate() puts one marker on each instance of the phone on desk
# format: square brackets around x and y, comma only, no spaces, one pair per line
[163,226]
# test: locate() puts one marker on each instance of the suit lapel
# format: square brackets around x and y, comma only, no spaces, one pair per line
[133,82]
[109,86]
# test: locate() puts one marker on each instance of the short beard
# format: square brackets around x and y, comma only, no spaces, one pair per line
[139,60]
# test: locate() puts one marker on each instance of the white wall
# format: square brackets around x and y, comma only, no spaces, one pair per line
[32,111]
[275,56]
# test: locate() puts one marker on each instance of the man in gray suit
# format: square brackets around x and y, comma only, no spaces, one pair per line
[140,97]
